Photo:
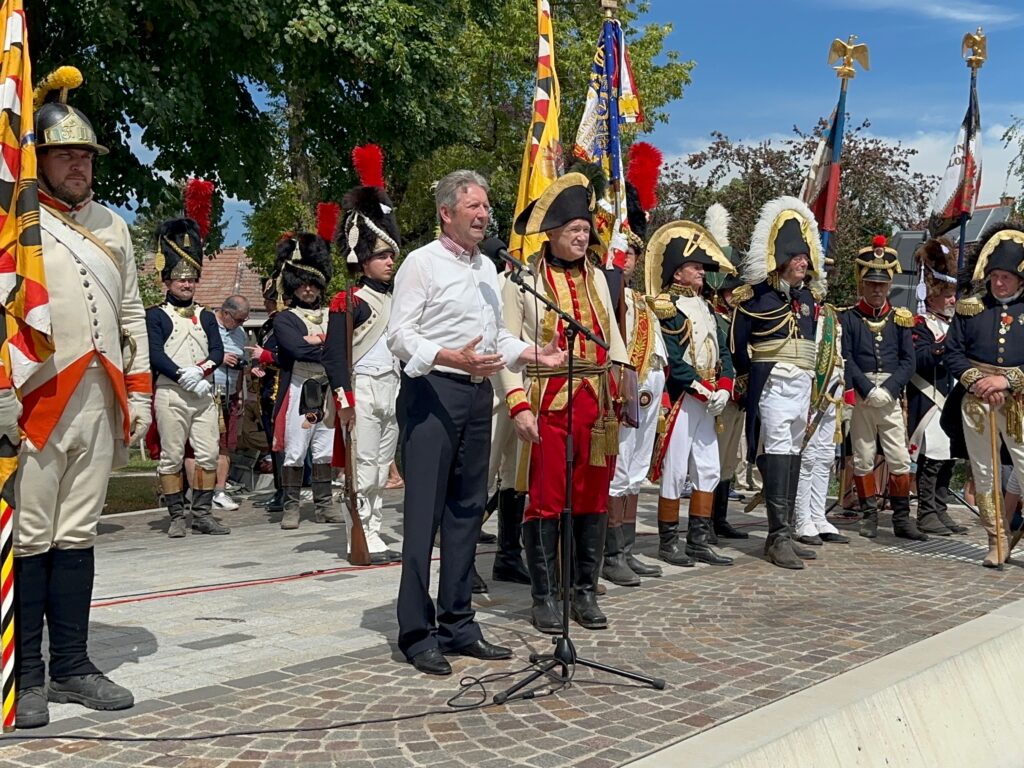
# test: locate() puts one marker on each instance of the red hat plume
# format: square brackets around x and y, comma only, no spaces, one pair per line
[327,220]
[644,166]
[880,241]
[198,203]
[369,162]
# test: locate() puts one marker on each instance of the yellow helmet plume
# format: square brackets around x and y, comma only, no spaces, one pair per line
[62,79]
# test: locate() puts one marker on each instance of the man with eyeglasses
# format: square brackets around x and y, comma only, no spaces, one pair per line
[81,408]
[227,381]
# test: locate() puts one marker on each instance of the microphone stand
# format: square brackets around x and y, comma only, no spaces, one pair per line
[564,654]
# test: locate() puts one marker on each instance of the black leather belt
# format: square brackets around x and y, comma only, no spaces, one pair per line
[462,378]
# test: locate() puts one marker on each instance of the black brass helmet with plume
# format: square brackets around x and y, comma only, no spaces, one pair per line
[57,123]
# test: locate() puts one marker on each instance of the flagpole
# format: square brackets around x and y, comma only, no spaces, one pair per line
[977,46]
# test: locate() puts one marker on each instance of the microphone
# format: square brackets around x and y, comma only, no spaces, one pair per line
[493,248]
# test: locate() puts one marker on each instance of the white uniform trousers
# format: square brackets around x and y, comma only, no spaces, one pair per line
[979,447]
[61,488]
[887,424]
[637,445]
[297,440]
[785,400]
[692,451]
[501,470]
[376,432]
[731,421]
[182,417]
[815,471]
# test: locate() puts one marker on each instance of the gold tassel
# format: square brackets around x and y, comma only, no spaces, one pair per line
[598,441]
[611,440]
[837,436]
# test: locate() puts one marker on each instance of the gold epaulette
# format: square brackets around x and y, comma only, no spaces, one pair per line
[742,294]
[663,306]
[970,306]
[904,317]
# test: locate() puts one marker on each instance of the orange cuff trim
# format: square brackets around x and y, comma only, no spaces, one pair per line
[139,382]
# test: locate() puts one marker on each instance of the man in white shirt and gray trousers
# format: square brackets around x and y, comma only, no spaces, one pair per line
[446,328]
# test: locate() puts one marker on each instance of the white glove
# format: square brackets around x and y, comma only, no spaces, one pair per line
[204,388]
[717,402]
[189,377]
[879,398]
[139,416]
[10,412]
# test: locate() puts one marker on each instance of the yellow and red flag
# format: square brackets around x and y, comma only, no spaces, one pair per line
[23,297]
[542,157]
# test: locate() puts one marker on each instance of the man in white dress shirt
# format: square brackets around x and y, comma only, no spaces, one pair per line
[446,328]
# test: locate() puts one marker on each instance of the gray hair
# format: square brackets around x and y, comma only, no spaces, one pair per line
[446,193]
[235,304]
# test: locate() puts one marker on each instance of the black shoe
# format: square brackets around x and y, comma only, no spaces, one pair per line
[431,662]
[30,707]
[512,571]
[487,538]
[697,543]
[780,552]
[94,691]
[727,530]
[931,525]
[803,552]
[385,557]
[479,585]
[814,541]
[481,649]
[951,524]
[909,532]
[834,538]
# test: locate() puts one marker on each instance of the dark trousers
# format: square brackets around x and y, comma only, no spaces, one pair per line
[445,446]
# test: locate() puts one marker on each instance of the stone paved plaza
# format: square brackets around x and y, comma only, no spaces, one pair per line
[271,631]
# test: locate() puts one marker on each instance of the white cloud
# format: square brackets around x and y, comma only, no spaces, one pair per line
[950,10]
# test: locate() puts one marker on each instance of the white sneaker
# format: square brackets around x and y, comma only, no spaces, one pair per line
[222,501]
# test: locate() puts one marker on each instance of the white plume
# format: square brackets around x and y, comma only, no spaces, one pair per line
[716,221]
[755,263]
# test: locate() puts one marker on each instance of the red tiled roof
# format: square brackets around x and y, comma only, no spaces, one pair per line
[227,274]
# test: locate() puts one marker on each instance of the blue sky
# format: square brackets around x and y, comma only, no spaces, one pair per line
[761,68]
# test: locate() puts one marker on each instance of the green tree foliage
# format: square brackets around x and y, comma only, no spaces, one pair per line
[878,195]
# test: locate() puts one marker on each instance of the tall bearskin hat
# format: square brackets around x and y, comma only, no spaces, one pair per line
[785,228]
[641,190]
[1001,246]
[936,261]
[57,123]
[678,243]
[878,262]
[304,258]
[570,197]
[179,252]
[368,224]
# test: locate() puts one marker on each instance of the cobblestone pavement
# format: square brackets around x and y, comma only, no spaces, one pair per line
[271,630]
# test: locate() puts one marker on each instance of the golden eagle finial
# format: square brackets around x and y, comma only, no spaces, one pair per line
[977,44]
[848,53]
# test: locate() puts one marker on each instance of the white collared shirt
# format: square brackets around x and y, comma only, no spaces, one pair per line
[444,297]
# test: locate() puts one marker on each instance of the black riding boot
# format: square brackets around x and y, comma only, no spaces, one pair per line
[792,487]
[668,534]
[203,520]
[73,677]
[723,527]
[508,562]
[540,540]
[942,482]
[588,551]
[698,533]
[778,546]
[291,479]
[903,525]
[927,502]
[324,510]
[615,568]
[31,584]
